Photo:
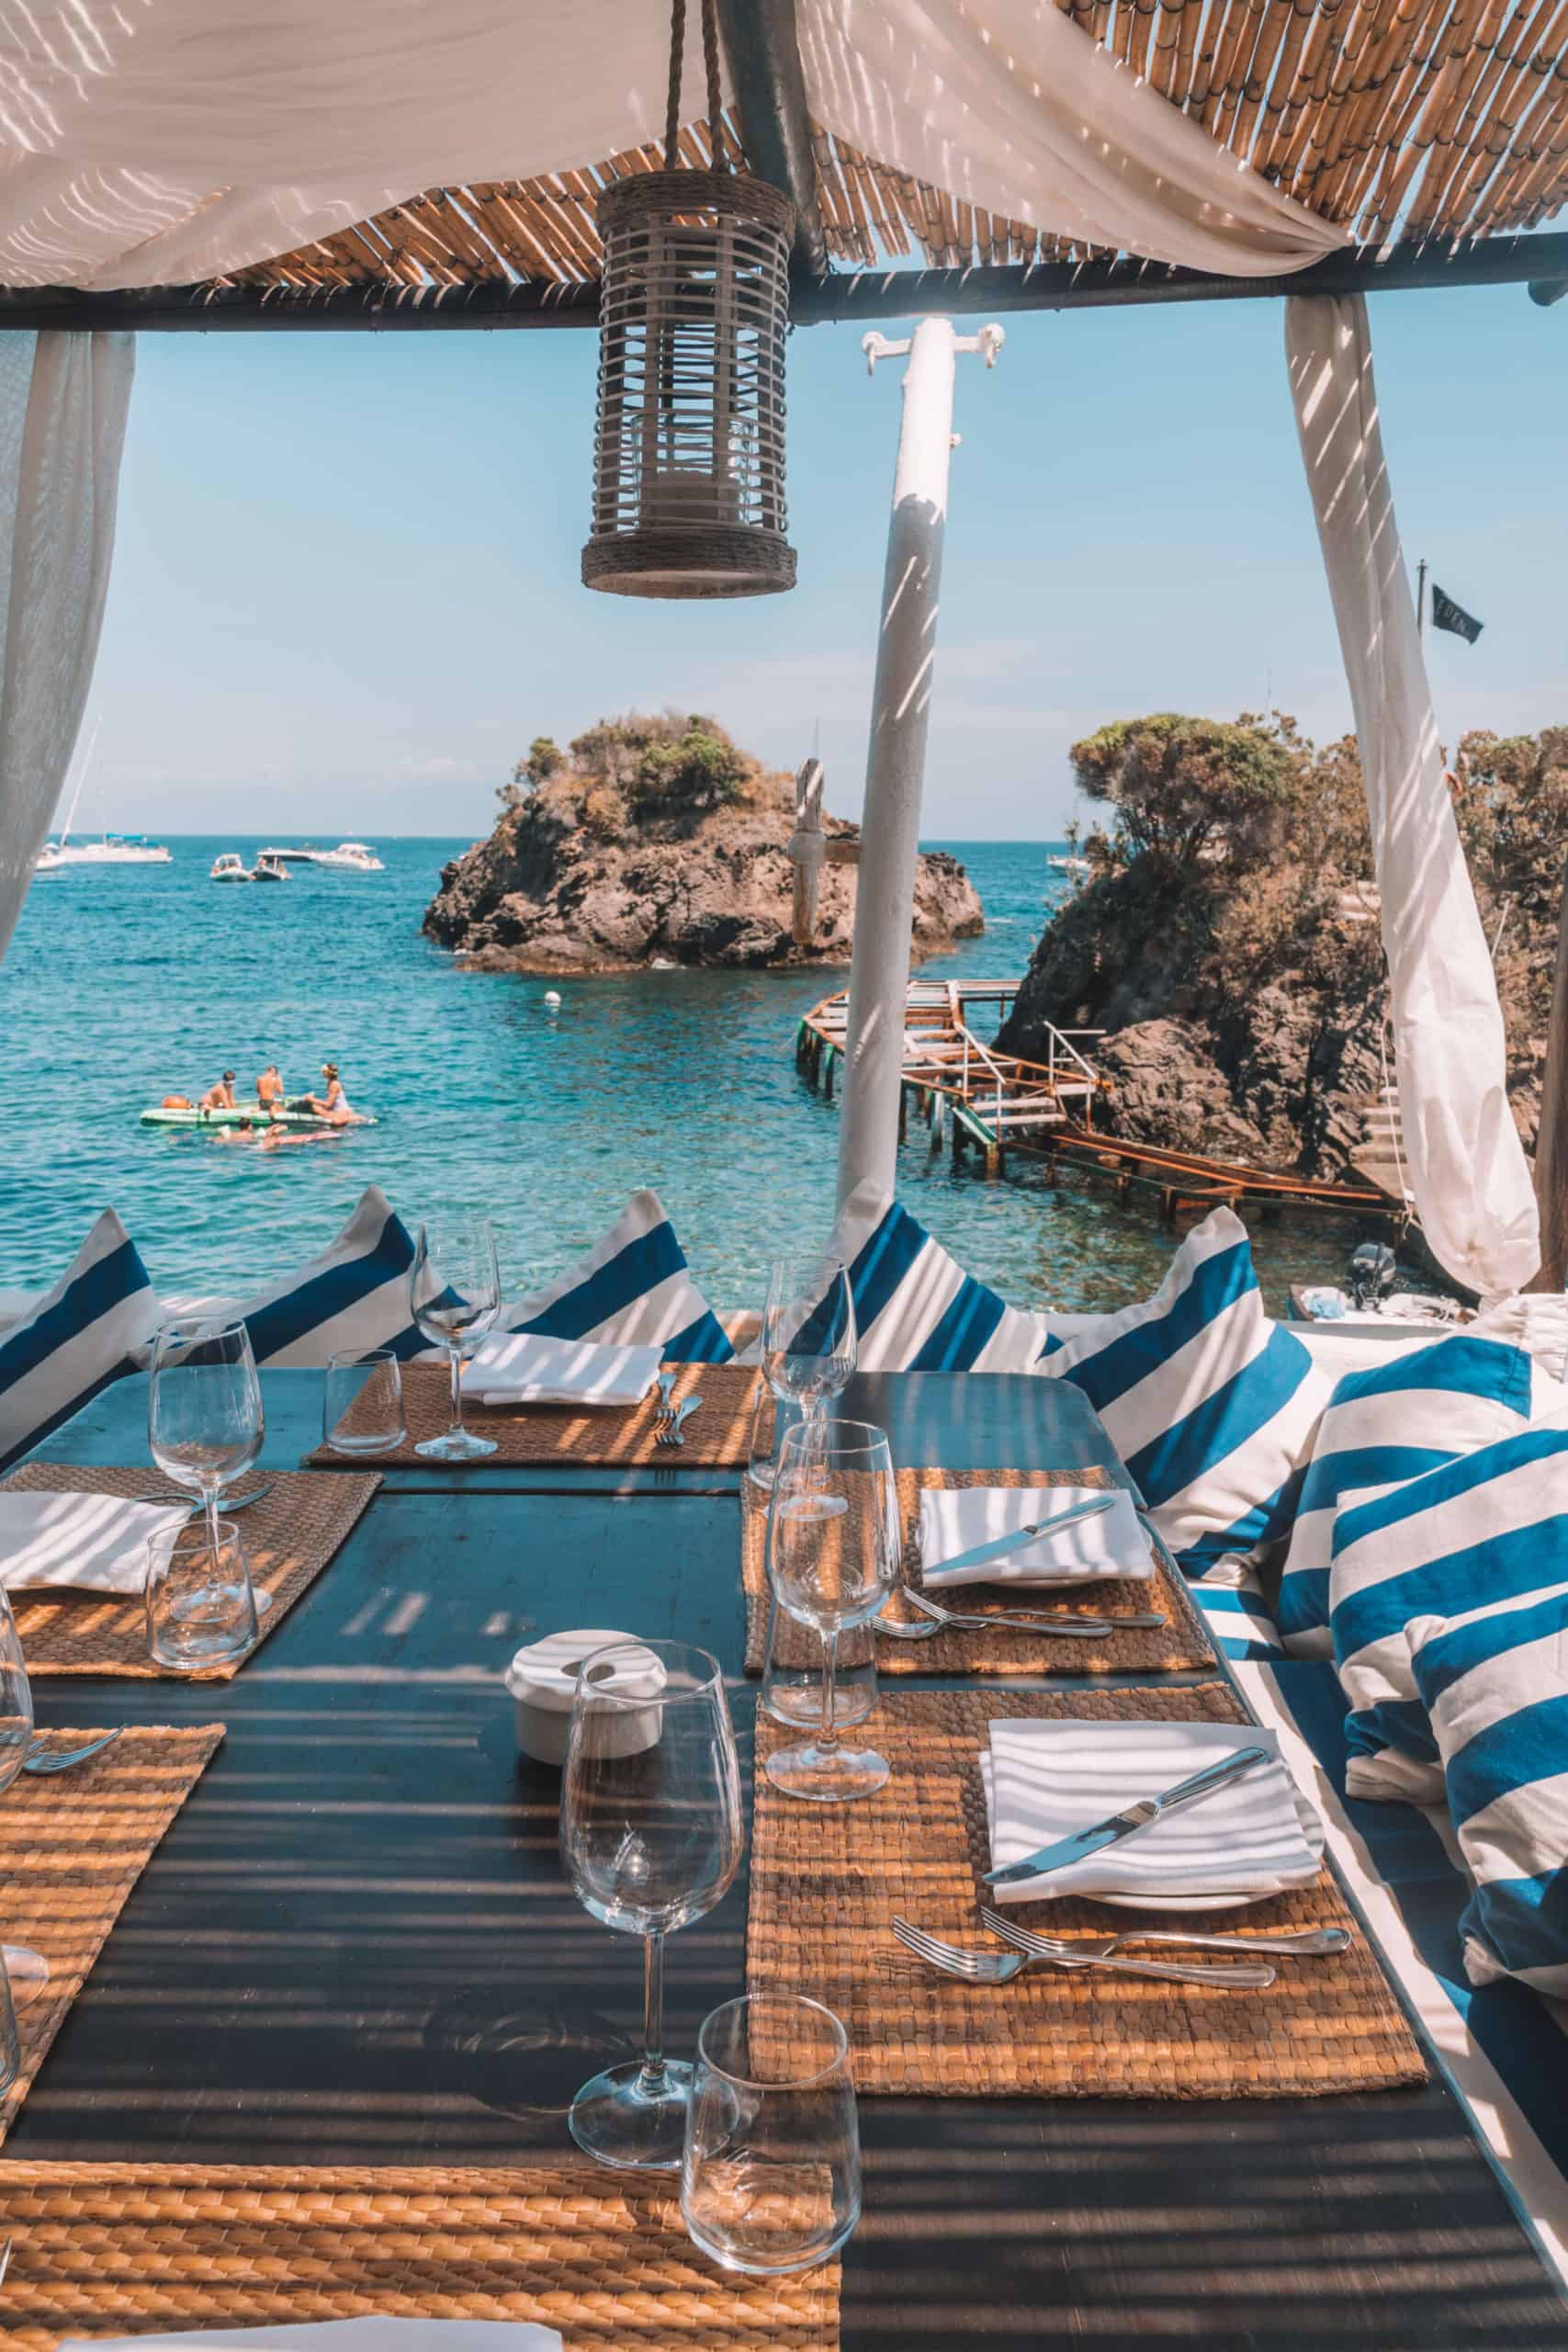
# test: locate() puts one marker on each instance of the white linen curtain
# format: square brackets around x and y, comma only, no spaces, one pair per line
[63,408]
[1467,1169]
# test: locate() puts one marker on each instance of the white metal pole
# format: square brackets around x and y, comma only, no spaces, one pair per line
[890,823]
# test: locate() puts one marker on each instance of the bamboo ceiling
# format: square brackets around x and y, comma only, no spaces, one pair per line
[1417,118]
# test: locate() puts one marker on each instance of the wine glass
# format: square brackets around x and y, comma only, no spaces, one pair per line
[26,1969]
[651,1834]
[808,1333]
[770,2179]
[204,1408]
[834,1542]
[455,1296]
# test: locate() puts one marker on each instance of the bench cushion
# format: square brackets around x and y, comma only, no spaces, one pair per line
[916,1309]
[76,1339]
[633,1287]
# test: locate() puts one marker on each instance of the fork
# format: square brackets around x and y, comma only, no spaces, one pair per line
[1092,1628]
[1309,1942]
[1001,1968]
[666,1406]
[39,1759]
[1142,1620]
[669,1432]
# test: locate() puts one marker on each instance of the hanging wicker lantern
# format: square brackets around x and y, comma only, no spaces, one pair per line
[689,446]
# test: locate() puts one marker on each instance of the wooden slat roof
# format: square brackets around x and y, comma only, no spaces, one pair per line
[1420,120]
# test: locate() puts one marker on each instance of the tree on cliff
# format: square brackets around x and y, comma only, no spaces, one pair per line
[1193,787]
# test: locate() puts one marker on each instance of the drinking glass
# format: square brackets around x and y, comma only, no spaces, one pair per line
[834,1542]
[361,1404]
[650,1832]
[20,1967]
[201,1606]
[204,1408]
[769,2181]
[455,1296]
[809,1335]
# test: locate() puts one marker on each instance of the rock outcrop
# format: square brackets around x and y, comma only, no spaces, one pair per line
[588,873]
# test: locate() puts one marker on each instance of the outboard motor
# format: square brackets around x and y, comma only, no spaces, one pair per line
[1372,1270]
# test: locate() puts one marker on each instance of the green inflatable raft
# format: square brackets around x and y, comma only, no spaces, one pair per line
[251,1111]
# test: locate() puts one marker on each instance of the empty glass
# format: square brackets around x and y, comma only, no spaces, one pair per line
[362,1406]
[453,1297]
[834,1542]
[808,1337]
[204,1408]
[769,2181]
[201,1607]
[650,1834]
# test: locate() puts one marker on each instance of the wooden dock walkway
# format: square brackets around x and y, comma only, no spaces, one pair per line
[995,1104]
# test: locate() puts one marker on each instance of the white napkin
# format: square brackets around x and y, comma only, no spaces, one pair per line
[526,1370]
[1046,1779]
[954,1519]
[97,1543]
[343,2335]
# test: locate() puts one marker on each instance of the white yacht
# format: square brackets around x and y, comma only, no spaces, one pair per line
[48,859]
[352,857]
[230,868]
[1068,864]
[113,849]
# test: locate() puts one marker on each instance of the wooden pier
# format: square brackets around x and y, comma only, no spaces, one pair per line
[993,1104]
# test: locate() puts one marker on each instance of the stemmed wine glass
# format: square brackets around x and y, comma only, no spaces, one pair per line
[651,1834]
[205,1423]
[834,1542]
[808,1333]
[453,1297]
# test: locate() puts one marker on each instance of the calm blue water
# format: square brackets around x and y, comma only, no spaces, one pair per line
[120,988]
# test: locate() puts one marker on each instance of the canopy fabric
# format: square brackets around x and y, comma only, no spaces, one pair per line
[167,145]
[62,408]
[1468,1170]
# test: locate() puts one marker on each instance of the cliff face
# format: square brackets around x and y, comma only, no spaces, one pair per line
[574,878]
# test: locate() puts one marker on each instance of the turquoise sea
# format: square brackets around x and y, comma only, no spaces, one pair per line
[122,986]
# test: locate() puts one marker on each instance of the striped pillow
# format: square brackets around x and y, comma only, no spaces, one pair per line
[1389,1424]
[1212,1407]
[1495,1687]
[1467,1537]
[81,1334]
[633,1287]
[353,1298]
[1229,1598]
[916,1309]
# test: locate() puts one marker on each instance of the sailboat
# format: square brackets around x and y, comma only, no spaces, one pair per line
[109,849]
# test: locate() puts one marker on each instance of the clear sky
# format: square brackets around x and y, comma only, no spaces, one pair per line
[345,592]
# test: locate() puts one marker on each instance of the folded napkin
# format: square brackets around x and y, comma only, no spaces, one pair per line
[1046,1779]
[97,1543]
[954,1519]
[526,1370]
[342,2335]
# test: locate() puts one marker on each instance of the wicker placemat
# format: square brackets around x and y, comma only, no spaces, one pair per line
[716,1438]
[1180,1642]
[290,1535]
[119,2249]
[827,1881]
[72,1847]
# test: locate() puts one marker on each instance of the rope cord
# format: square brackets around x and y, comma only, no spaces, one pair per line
[672,109]
[716,94]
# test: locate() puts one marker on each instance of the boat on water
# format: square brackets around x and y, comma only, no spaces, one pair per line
[1068,864]
[349,857]
[230,868]
[269,869]
[109,849]
[165,1116]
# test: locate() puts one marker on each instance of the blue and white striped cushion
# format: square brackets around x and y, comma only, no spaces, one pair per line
[1230,1599]
[1389,1424]
[353,1298]
[81,1335]
[916,1309]
[634,1287]
[1212,1407]
[1463,1538]
[1495,1690]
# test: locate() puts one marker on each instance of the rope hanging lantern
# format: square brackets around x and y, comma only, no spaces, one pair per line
[689,444]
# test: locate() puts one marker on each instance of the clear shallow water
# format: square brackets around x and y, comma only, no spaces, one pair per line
[120,988]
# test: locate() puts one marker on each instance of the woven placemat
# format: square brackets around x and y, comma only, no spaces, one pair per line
[290,1535]
[716,1438]
[72,1847]
[117,2249]
[827,1881]
[1180,1642]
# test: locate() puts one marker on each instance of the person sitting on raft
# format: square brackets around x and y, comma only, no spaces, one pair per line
[270,1089]
[219,1095]
[333,1105]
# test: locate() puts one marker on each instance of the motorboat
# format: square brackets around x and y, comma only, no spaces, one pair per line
[269,869]
[1068,864]
[230,868]
[351,857]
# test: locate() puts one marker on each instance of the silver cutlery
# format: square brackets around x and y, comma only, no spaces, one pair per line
[665,1382]
[671,1432]
[1001,1967]
[1088,1628]
[1133,1817]
[1143,1620]
[1019,1538]
[227,1504]
[39,1757]
[4,2260]
[1309,1944]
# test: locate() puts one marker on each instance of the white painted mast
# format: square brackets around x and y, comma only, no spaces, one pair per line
[896,760]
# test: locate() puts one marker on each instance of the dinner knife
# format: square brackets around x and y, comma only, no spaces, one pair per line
[1127,1823]
[1002,1544]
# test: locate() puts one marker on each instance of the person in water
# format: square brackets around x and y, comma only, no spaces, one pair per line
[219,1095]
[242,1131]
[269,1088]
[333,1105]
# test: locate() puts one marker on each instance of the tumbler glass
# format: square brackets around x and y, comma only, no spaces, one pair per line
[769,2181]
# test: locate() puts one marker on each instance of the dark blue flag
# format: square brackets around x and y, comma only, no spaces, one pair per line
[1447,614]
